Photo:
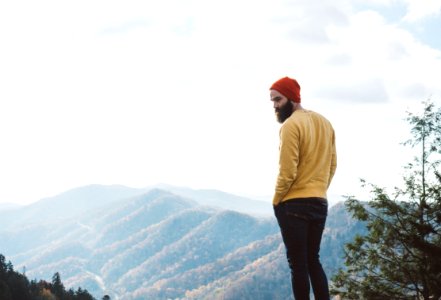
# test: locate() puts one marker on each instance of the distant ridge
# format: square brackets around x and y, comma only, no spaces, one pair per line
[69,204]
[220,199]
[159,243]
[9,206]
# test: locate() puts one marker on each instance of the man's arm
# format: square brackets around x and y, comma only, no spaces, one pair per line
[333,160]
[288,161]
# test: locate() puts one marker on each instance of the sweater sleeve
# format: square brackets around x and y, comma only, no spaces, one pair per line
[333,160]
[288,161]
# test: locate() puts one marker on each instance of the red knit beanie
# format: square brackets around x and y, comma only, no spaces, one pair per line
[288,87]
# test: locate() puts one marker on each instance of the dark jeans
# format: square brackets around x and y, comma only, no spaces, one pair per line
[301,223]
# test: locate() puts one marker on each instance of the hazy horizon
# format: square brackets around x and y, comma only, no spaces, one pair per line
[138,93]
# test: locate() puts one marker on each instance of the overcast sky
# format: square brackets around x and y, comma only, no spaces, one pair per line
[176,91]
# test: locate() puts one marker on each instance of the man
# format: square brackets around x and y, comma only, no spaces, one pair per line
[306,166]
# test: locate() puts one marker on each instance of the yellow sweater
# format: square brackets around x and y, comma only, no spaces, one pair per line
[308,157]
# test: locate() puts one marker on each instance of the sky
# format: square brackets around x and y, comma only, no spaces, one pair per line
[139,93]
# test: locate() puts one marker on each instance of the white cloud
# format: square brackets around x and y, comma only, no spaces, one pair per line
[419,9]
[372,52]
[177,91]
[369,90]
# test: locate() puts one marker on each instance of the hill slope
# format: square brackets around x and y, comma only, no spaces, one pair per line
[155,244]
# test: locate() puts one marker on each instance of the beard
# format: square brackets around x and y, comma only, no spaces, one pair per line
[284,112]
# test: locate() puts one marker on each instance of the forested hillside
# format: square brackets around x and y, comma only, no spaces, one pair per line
[158,245]
[16,286]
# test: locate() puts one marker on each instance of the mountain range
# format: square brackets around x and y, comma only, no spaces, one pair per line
[160,243]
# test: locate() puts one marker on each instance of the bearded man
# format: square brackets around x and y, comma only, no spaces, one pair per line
[307,164]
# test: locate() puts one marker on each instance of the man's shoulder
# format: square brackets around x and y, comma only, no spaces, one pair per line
[316,114]
[305,118]
[320,117]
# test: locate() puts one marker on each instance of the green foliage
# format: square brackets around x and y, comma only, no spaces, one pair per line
[57,286]
[14,285]
[399,257]
[5,293]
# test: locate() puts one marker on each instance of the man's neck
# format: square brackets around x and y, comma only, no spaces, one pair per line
[297,106]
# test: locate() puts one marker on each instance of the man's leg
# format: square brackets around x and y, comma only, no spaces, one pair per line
[294,226]
[319,281]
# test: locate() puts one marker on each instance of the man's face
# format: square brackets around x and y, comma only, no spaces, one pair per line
[282,106]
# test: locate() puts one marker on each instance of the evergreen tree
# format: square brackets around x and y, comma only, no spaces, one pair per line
[3,270]
[5,294]
[16,286]
[57,286]
[83,295]
[12,283]
[399,257]
[19,286]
